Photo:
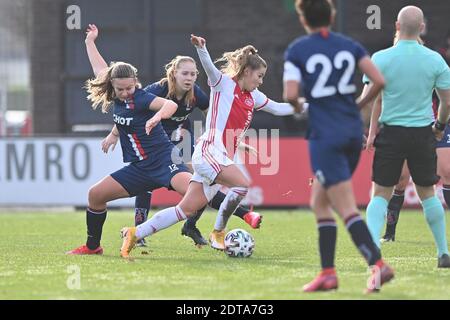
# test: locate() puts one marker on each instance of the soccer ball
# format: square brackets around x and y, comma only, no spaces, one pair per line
[239,243]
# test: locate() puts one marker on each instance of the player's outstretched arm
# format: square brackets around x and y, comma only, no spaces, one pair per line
[214,75]
[376,78]
[97,62]
[273,107]
[278,108]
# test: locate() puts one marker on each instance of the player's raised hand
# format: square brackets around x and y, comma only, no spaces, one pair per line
[151,123]
[198,41]
[91,33]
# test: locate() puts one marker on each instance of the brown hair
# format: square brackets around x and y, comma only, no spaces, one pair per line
[317,13]
[171,68]
[101,92]
[238,60]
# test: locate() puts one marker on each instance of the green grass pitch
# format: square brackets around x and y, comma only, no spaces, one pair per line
[34,266]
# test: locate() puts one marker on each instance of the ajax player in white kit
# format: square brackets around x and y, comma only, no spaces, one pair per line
[234,98]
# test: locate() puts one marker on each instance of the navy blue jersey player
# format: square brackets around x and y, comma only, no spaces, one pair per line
[179,86]
[145,145]
[179,124]
[323,63]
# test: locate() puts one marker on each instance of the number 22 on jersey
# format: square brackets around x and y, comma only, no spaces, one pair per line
[321,89]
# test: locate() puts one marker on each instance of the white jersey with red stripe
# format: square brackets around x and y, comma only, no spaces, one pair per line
[230,114]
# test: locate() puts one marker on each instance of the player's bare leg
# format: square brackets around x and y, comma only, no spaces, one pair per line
[443,170]
[180,182]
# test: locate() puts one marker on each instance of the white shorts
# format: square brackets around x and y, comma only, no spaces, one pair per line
[206,162]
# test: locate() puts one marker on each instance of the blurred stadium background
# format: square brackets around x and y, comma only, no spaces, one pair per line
[49,135]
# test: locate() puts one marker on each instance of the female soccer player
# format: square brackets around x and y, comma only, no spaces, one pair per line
[179,86]
[137,115]
[234,97]
[324,63]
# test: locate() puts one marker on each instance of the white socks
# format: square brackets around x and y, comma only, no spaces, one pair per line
[229,205]
[161,220]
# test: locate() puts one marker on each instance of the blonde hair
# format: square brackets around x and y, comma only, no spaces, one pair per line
[171,68]
[101,92]
[238,60]
[397,36]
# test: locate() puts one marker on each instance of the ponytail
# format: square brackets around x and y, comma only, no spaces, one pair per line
[236,61]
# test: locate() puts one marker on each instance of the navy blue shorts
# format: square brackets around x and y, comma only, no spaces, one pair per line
[445,142]
[150,174]
[334,160]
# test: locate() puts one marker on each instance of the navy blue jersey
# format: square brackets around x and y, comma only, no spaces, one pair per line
[327,65]
[130,117]
[180,118]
